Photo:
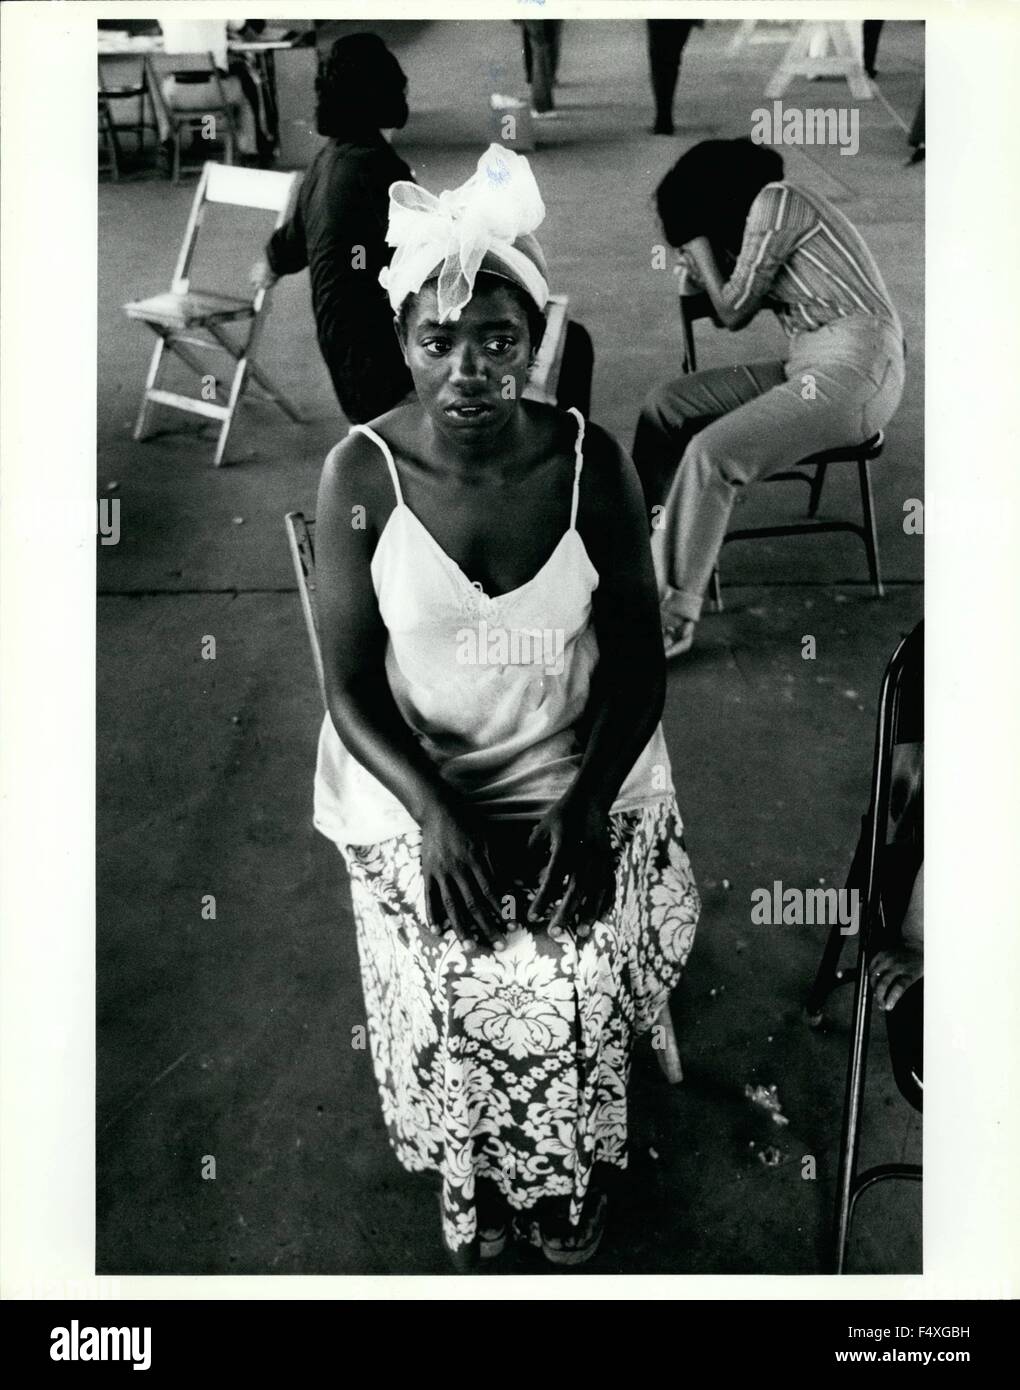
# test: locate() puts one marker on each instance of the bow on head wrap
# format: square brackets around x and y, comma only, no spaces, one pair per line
[498,206]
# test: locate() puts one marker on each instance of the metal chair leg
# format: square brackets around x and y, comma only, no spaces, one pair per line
[669,1053]
[715,590]
[851,1137]
[870,532]
[109,131]
[690,361]
[827,977]
[817,483]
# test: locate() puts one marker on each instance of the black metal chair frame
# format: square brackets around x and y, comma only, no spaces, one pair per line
[699,306]
[871,935]
[136,91]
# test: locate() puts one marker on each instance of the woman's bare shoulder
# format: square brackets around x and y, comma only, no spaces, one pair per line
[355,475]
[605,460]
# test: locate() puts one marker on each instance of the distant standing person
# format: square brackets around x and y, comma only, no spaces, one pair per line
[541,39]
[338,229]
[872,33]
[666,40]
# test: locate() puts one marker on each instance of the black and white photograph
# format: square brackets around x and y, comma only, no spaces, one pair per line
[510,671]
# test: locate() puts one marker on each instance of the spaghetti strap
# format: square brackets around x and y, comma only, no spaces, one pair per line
[578,464]
[387,455]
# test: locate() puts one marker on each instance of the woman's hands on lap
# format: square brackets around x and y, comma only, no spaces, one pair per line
[576,834]
[458,875]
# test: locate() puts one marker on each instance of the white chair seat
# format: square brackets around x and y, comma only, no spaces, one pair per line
[192,309]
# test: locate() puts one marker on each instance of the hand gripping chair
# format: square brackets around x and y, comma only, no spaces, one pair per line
[883,872]
[187,318]
[301,539]
[699,306]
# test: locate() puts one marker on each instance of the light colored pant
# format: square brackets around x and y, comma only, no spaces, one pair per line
[839,386]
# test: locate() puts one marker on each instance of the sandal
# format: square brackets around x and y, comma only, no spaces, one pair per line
[488,1244]
[581,1244]
[493,1221]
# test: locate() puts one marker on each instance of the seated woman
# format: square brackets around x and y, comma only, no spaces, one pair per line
[492,766]
[753,240]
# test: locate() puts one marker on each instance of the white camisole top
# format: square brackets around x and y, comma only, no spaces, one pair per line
[493,688]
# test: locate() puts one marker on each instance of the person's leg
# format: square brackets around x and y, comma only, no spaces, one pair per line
[554,28]
[872,29]
[916,136]
[251,89]
[528,61]
[541,66]
[245,123]
[675,411]
[666,39]
[841,405]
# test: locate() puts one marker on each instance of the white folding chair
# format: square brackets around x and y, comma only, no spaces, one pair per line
[186,318]
[301,539]
[545,374]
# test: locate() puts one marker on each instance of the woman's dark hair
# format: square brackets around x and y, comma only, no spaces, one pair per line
[487,281]
[360,86]
[710,189]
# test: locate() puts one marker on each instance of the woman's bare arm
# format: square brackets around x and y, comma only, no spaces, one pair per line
[629,684]
[700,252]
[627,690]
[455,864]
[353,636]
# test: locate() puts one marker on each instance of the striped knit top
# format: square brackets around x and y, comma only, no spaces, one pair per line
[804,260]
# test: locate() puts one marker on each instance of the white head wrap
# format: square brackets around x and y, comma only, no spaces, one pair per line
[481,219]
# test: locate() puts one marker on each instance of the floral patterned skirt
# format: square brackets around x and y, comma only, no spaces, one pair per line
[513,1066]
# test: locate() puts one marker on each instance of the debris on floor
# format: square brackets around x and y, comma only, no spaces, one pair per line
[770,1157]
[768,1098]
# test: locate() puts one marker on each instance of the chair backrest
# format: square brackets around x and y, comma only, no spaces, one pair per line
[301,538]
[900,721]
[118,72]
[544,378]
[250,188]
[237,187]
[169,64]
[161,66]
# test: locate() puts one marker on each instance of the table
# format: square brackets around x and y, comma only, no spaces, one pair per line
[115,44]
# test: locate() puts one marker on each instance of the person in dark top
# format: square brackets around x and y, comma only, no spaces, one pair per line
[338,229]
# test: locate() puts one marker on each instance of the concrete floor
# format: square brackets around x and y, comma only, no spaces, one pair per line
[231,1037]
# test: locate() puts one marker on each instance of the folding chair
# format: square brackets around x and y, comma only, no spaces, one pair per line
[123,79]
[301,540]
[197,71]
[108,132]
[698,306]
[543,382]
[883,873]
[180,317]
